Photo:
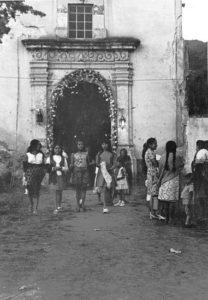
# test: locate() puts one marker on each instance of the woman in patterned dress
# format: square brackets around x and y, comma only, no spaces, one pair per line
[34,171]
[170,166]
[152,175]
[81,180]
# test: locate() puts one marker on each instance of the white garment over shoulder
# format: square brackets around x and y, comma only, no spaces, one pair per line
[202,155]
[35,159]
[57,159]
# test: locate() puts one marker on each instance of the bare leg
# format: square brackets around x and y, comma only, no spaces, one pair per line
[31,203]
[78,197]
[37,203]
[58,198]
[187,211]
[104,198]
[83,197]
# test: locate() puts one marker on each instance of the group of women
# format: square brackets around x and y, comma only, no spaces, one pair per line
[164,181]
[113,174]
[113,177]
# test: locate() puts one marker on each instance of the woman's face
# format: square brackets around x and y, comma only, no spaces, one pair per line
[38,147]
[57,150]
[104,146]
[153,146]
[80,145]
[123,153]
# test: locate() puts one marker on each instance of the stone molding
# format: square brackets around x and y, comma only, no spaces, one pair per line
[113,44]
[79,56]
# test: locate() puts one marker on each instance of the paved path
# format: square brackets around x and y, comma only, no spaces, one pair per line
[53,258]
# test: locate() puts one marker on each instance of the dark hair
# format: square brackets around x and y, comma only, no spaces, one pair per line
[52,152]
[123,149]
[150,141]
[33,145]
[171,148]
[80,141]
[200,144]
[206,145]
[146,146]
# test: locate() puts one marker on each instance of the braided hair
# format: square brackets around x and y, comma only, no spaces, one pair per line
[170,148]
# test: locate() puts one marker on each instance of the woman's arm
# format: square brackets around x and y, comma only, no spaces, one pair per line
[72,161]
[97,160]
[65,166]
[25,162]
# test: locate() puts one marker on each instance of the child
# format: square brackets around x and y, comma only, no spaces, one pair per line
[105,163]
[122,184]
[57,167]
[187,197]
[81,180]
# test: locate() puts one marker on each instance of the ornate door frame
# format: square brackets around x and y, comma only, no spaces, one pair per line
[51,60]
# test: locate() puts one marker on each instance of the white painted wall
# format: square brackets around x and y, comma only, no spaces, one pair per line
[154,97]
[154,100]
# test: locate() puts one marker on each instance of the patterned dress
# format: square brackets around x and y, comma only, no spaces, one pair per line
[152,173]
[170,188]
[80,169]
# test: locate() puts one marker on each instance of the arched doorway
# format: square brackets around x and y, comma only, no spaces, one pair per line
[82,106]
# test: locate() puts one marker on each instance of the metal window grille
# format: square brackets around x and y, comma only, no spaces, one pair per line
[80,21]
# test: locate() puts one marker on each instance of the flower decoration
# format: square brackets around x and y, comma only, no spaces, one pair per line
[70,83]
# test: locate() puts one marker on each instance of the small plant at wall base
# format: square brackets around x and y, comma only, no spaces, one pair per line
[8,10]
[70,83]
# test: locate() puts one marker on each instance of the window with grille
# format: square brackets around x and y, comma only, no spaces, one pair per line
[80,21]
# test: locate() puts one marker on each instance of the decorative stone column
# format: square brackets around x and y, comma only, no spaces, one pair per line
[123,79]
[39,83]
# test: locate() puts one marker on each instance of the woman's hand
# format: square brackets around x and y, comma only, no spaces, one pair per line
[57,168]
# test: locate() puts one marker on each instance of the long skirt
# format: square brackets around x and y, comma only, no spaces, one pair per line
[169,191]
[34,176]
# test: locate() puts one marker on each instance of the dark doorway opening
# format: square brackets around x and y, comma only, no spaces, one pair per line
[85,115]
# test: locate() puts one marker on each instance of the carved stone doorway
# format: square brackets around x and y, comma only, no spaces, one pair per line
[82,115]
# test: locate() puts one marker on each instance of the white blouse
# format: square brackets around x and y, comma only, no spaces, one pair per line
[57,159]
[36,159]
[202,156]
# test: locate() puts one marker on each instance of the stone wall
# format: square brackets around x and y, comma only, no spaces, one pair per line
[157,92]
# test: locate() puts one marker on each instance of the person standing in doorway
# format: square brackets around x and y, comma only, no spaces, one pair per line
[105,163]
[34,171]
[80,176]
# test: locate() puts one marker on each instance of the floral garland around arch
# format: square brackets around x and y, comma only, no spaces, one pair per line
[70,82]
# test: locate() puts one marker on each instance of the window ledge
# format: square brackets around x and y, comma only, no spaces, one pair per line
[113,43]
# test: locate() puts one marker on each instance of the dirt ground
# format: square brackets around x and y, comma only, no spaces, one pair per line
[126,258]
